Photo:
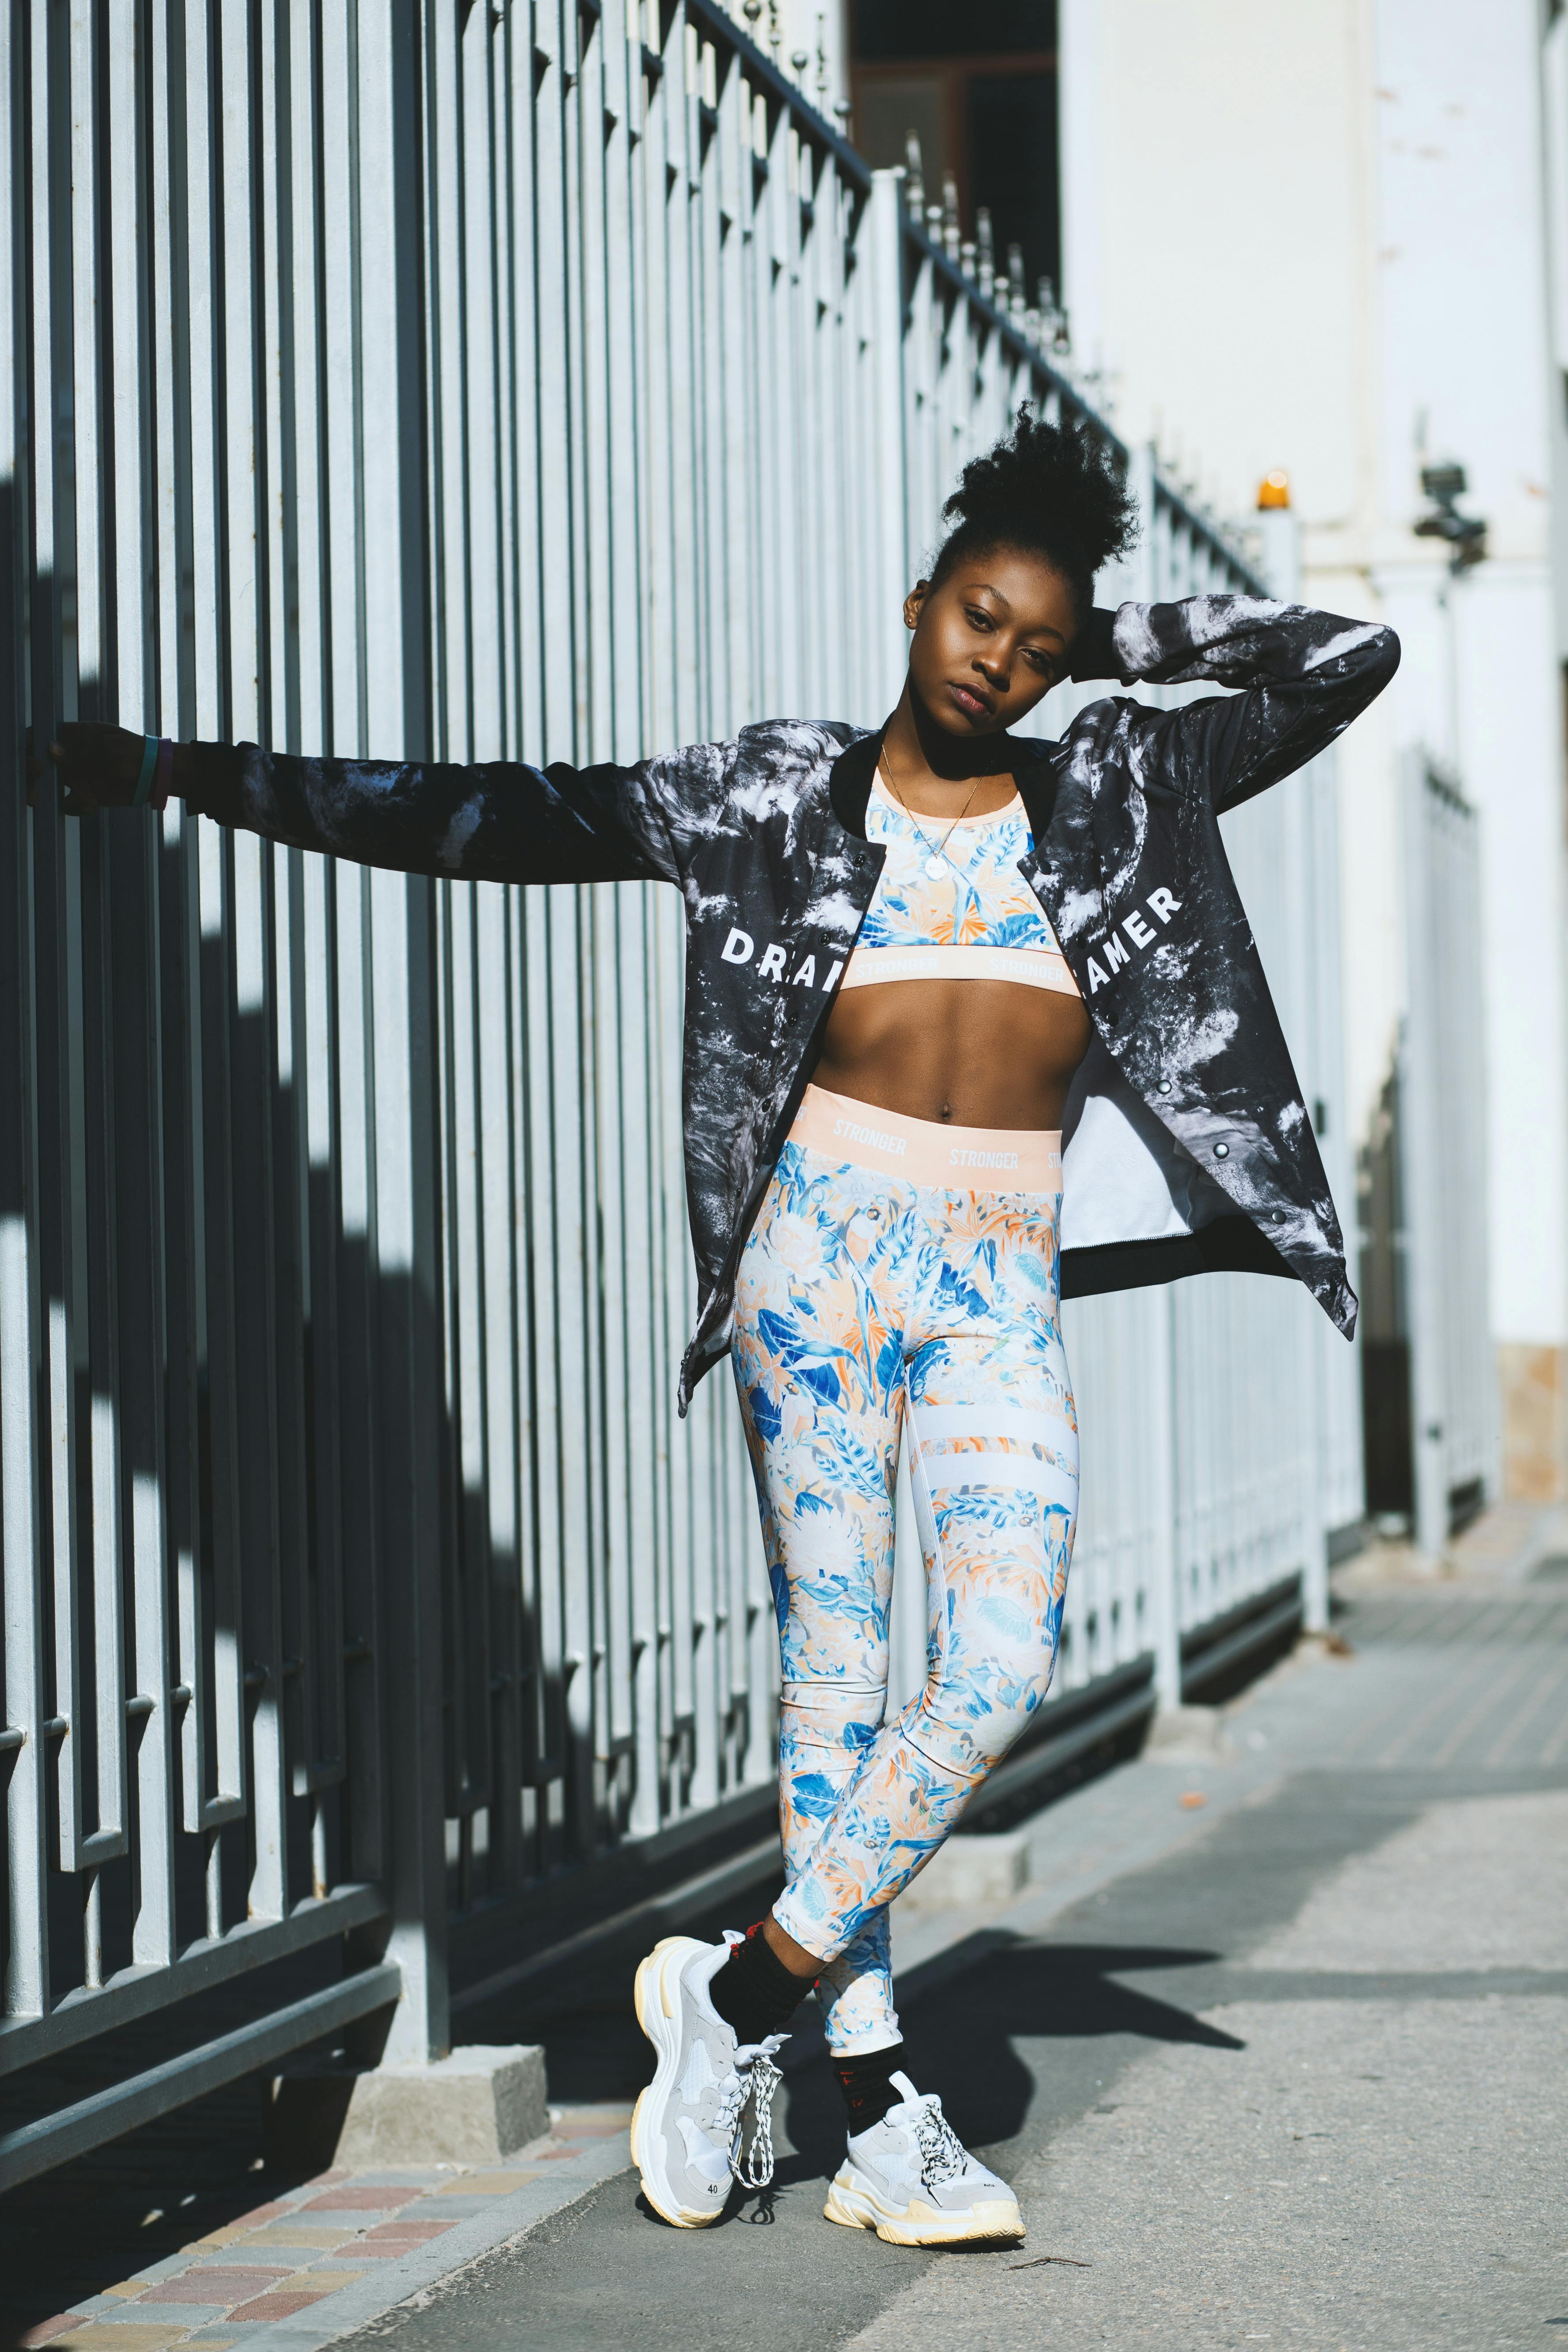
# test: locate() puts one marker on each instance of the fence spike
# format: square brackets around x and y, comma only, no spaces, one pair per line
[914,176]
[986,250]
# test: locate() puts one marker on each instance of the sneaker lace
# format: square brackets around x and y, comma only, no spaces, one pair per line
[752,2089]
[943,2154]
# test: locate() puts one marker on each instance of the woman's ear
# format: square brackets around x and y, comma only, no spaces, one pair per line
[914,604]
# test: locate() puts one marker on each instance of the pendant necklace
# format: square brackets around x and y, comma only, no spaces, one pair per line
[937,849]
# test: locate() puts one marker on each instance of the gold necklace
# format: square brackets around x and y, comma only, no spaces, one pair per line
[938,849]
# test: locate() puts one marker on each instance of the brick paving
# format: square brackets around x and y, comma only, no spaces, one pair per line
[263,2262]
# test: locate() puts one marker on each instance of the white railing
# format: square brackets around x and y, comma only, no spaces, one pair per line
[547,381]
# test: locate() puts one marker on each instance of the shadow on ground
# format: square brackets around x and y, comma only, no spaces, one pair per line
[1014,1993]
[83,2229]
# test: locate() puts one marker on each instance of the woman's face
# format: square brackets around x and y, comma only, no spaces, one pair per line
[990,641]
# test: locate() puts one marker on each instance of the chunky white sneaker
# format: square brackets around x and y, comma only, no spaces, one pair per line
[689,2124]
[912,2180]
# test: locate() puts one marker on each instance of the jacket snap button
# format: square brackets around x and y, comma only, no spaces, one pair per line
[1222,1151]
[1164,1085]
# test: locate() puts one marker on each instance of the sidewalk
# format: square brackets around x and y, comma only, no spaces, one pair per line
[1164,2044]
[298,2267]
[1273,2047]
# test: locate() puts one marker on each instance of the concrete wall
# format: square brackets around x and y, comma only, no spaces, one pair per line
[1316,236]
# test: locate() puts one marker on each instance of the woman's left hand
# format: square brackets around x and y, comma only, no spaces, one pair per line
[98,767]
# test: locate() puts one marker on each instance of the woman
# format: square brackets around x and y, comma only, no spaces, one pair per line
[905,949]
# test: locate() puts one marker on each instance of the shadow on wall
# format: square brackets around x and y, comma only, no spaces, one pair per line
[270,1656]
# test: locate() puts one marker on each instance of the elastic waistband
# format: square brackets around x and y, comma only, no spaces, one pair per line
[922,1151]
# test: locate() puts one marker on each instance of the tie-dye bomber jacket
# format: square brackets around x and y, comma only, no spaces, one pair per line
[1187,1144]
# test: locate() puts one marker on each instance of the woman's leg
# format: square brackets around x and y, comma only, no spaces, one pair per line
[861,1299]
[994,1476]
[818,1358]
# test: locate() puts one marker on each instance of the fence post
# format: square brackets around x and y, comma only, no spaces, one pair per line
[1281,537]
[891,585]
[24,1762]
[408,1343]
[1442,1154]
[892,582]
[408,1323]
[1164,1567]
[1420,1142]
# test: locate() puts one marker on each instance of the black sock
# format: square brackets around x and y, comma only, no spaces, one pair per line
[867,2092]
[754,1991]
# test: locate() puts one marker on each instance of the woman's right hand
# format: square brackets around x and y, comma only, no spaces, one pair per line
[98,767]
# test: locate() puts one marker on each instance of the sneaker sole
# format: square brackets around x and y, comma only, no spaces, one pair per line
[920,2224]
[652,1992]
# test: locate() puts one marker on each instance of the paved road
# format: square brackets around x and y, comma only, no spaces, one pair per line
[1287,2065]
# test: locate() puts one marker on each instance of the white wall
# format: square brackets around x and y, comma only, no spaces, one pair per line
[1207,236]
[1218,265]
[1465,358]
[1304,236]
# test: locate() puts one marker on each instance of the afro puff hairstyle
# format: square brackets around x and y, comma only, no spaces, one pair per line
[1047,490]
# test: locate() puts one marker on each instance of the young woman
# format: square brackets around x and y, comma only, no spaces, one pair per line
[914,957]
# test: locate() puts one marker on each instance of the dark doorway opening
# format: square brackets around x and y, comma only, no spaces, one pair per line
[1385,1326]
[977,86]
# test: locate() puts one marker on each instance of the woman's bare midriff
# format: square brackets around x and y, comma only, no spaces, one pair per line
[963,1053]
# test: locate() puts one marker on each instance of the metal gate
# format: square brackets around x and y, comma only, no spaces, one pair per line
[544,381]
[1442,1160]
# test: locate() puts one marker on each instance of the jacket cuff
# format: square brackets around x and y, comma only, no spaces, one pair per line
[209,777]
[1094,647]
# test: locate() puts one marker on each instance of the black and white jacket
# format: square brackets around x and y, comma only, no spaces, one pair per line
[1187,1144]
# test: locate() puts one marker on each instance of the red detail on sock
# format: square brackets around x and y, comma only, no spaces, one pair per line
[756,1930]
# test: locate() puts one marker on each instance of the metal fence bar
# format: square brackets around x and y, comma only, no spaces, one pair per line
[87,2123]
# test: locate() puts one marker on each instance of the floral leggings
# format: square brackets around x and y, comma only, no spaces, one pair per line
[863,1300]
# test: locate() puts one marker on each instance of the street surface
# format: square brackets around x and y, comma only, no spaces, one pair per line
[1288,2065]
[1272,2046]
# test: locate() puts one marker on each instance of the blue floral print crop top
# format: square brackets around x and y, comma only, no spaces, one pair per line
[954,908]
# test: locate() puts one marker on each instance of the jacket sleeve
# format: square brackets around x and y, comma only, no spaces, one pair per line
[1303,677]
[499,821]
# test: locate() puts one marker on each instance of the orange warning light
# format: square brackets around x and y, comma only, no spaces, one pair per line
[1274,490]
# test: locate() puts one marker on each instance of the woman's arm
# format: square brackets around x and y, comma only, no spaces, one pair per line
[499,821]
[1303,677]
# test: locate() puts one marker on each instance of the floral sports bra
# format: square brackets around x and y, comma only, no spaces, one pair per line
[966,914]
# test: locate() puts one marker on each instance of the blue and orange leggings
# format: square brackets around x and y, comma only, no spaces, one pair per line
[901,1274]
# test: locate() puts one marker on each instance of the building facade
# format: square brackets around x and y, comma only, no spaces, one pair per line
[1333,241]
